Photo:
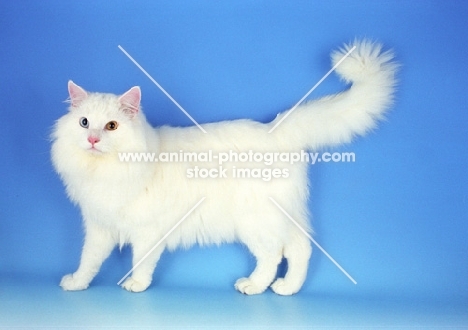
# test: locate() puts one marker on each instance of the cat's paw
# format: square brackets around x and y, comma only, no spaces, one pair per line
[281,287]
[247,286]
[72,283]
[133,285]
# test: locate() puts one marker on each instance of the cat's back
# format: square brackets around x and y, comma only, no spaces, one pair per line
[236,135]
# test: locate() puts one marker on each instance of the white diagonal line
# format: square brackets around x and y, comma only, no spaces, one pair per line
[161,88]
[160,241]
[313,241]
[312,89]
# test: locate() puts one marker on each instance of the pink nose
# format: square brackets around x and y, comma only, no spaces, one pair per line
[93,139]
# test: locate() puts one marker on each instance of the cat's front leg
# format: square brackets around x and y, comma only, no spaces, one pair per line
[145,258]
[97,246]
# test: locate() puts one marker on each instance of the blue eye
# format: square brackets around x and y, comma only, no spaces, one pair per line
[84,122]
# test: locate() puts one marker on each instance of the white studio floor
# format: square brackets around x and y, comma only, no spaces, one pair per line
[35,302]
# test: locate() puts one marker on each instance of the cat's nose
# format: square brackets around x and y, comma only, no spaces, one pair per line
[93,139]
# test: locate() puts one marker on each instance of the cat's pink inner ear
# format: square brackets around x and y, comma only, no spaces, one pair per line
[77,94]
[130,101]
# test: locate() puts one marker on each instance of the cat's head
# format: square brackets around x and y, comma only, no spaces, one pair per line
[102,124]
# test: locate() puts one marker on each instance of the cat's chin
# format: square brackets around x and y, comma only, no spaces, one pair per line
[94,151]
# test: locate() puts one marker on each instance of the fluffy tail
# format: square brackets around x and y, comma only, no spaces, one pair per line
[336,119]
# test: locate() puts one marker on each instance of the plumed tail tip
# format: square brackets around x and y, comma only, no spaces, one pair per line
[366,61]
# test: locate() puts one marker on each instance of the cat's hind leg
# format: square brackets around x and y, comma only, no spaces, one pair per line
[297,253]
[268,259]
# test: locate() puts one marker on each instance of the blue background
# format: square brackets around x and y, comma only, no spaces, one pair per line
[396,219]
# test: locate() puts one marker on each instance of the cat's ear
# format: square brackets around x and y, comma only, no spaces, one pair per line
[130,101]
[77,94]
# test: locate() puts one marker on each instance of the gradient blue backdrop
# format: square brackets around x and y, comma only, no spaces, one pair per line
[396,219]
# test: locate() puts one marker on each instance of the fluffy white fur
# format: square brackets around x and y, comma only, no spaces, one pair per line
[137,203]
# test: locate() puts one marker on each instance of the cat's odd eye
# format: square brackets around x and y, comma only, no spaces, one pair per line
[84,122]
[112,125]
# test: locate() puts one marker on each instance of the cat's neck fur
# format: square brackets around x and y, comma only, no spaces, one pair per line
[113,182]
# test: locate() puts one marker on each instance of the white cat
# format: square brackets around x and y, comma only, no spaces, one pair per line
[137,203]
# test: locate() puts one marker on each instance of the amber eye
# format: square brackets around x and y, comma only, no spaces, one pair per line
[84,122]
[112,125]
